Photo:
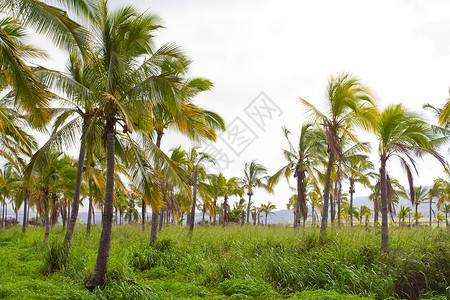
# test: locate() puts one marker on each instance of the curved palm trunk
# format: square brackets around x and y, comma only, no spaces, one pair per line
[98,276]
[351,191]
[326,195]
[25,204]
[90,211]
[46,212]
[384,209]
[301,199]
[194,199]
[76,195]
[248,206]
[338,190]
[266,220]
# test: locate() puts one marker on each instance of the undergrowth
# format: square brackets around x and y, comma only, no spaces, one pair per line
[236,262]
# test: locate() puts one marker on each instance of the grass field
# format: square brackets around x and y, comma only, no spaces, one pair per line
[229,263]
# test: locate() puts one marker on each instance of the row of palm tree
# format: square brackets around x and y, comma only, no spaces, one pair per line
[120,95]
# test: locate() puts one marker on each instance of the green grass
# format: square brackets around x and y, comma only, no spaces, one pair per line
[229,263]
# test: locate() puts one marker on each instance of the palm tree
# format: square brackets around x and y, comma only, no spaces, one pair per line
[403,134]
[129,81]
[254,176]
[420,195]
[268,209]
[403,213]
[349,104]
[226,188]
[365,212]
[359,169]
[301,162]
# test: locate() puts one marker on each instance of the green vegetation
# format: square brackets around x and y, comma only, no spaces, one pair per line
[239,262]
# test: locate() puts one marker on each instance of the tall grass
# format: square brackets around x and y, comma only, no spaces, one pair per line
[236,262]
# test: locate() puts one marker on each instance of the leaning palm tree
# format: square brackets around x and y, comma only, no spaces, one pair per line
[402,134]
[301,162]
[350,104]
[254,176]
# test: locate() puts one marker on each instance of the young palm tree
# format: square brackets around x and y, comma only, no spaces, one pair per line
[301,162]
[358,170]
[349,104]
[268,209]
[420,195]
[226,188]
[403,134]
[254,176]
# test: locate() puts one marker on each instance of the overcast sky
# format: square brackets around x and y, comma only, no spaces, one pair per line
[289,49]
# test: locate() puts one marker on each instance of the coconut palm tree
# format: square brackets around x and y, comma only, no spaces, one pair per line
[359,169]
[226,188]
[349,104]
[301,162]
[255,175]
[403,213]
[130,79]
[402,134]
[420,195]
[365,212]
[268,209]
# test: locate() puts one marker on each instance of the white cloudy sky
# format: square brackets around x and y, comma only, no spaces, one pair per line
[289,49]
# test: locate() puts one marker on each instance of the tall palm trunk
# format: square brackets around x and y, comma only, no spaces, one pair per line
[46,212]
[98,276]
[313,215]
[3,212]
[351,191]
[338,190]
[326,194]
[76,195]
[384,209]
[249,204]
[194,199]
[301,199]
[25,204]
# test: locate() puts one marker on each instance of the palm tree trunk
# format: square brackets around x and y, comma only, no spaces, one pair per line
[249,204]
[351,191]
[161,219]
[76,195]
[384,209]
[297,205]
[98,276]
[266,219]
[88,226]
[417,217]
[215,205]
[154,228]
[143,214]
[25,204]
[225,212]
[3,212]
[194,199]
[430,210]
[46,212]
[326,195]
[313,215]
[203,212]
